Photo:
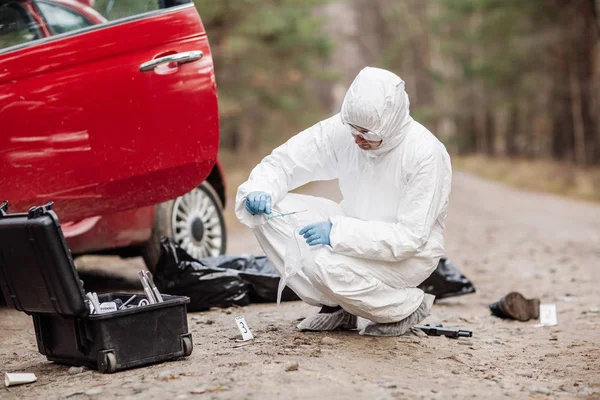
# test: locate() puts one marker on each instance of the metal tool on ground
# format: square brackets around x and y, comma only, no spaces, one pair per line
[285,214]
[439,330]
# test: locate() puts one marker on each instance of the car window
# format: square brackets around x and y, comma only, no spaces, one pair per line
[116,9]
[25,21]
[16,25]
[61,19]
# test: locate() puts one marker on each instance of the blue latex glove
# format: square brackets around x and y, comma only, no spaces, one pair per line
[317,233]
[258,203]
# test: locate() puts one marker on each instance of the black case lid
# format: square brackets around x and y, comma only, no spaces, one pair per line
[37,274]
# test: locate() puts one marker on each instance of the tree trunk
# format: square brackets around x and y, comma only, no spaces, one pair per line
[528,128]
[490,133]
[577,115]
[563,136]
[512,131]
[587,39]
[422,54]
[467,132]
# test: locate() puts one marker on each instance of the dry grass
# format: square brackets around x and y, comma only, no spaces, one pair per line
[538,175]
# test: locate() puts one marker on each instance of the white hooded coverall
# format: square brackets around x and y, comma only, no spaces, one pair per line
[387,234]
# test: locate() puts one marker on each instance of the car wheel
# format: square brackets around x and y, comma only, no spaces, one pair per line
[194,221]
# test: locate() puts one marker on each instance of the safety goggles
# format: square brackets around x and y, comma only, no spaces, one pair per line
[364,133]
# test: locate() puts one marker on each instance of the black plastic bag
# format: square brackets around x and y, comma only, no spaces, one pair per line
[218,281]
[447,281]
[227,280]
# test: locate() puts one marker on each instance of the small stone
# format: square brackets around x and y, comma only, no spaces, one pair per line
[292,367]
[386,385]
[195,318]
[525,374]
[217,387]
[94,391]
[465,342]
[199,390]
[75,370]
[329,341]
[587,391]
[594,310]
[494,341]
[455,372]
[166,375]
[538,389]
[433,391]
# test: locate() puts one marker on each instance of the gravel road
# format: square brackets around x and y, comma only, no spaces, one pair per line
[501,238]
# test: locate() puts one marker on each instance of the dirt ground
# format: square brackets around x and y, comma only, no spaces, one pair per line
[501,238]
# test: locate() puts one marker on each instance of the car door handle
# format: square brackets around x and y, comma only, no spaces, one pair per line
[179,58]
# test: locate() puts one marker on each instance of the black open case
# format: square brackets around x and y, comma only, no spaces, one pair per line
[38,277]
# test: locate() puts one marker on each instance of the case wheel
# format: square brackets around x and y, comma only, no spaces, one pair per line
[107,362]
[188,346]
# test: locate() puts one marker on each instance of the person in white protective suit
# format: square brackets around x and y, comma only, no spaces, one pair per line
[366,256]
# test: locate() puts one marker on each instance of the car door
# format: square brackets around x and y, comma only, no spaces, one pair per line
[108,109]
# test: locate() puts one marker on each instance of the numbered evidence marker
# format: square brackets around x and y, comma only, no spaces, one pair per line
[244,328]
[548,315]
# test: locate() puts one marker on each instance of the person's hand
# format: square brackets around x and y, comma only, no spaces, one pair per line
[258,203]
[317,233]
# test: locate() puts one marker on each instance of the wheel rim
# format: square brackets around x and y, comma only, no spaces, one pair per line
[197,225]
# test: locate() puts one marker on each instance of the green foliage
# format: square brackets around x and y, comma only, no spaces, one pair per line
[264,54]
[493,41]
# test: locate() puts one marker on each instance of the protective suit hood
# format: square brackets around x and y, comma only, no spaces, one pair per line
[377,101]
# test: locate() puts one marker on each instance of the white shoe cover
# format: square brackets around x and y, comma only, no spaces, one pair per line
[401,327]
[328,322]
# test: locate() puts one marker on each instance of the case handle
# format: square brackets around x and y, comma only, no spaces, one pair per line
[38,211]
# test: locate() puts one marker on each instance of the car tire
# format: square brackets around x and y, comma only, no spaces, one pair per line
[195,221]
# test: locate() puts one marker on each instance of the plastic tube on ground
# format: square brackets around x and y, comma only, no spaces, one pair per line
[19,379]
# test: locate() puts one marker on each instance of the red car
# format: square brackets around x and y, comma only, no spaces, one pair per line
[111,112]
